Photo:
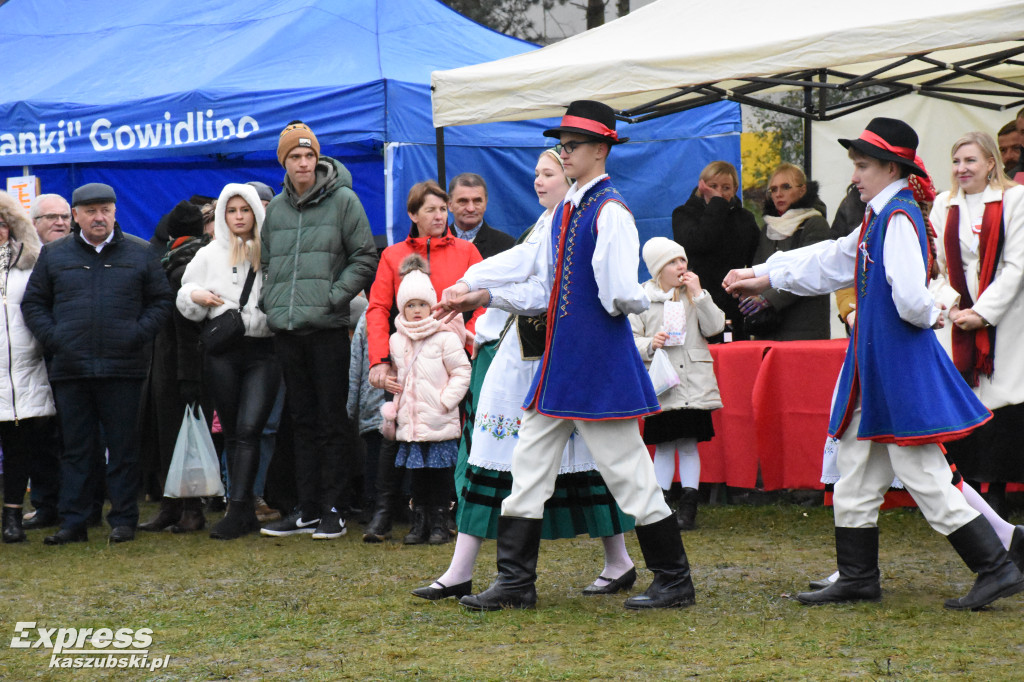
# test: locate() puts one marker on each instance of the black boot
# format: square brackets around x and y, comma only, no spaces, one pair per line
[998,577]
[241,517]
[857,556]
[663,551]
[388,484]
[192,518]
[13,532]
[170,512]
[518,546]
[438,524]
[379,527]
[1016,550]
[420,531]
[686,516]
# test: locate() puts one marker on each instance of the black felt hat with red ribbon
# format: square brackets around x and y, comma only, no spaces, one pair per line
[589,118]
[888,139]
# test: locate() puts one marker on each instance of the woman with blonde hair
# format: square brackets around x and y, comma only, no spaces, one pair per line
[718,235]
[243,379]
[794,217]
[980,251]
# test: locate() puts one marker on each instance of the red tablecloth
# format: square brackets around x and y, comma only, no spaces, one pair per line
[791,400]
[731,456]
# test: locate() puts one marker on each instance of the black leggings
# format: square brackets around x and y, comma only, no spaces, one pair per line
[430,487]
[244,382]
[20,440]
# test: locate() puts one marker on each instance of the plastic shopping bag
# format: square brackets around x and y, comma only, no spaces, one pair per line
[663,374]
[195,469]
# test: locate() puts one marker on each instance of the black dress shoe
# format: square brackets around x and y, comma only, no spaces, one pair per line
[623,582]
[67,535]
[122,534]
[433,594]
[42,518]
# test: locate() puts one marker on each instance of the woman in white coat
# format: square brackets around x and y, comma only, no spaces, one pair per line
[244,379]
[26,403]
[980,250]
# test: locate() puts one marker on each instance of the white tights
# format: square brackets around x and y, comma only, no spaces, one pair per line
[689,463]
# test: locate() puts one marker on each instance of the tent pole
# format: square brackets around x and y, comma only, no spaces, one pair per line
[809,108]
[440,157]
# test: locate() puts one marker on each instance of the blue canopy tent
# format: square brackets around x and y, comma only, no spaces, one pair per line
[170,98]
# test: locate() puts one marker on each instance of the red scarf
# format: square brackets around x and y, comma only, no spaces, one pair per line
[974,351]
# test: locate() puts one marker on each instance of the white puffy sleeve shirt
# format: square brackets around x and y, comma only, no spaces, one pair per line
[826,266]
[520,279]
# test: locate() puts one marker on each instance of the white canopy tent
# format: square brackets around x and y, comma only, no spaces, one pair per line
[675,54]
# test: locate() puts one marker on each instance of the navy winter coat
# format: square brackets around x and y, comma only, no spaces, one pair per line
[93,312]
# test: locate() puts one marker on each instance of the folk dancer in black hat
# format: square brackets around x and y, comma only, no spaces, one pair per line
[591,378]
[898,396]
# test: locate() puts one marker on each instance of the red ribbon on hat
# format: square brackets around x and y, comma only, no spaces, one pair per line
[902,152]
[590,125]
[923,188]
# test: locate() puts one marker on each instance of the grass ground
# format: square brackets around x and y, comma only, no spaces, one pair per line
[295,609]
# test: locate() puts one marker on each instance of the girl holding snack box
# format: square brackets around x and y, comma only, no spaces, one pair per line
[681,317]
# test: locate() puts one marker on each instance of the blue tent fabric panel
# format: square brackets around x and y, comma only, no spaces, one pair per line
[90,90]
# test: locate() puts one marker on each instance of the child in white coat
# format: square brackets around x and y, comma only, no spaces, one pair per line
[685,418]
[429,378]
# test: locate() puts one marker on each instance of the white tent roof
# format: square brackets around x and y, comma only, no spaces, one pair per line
[725,51]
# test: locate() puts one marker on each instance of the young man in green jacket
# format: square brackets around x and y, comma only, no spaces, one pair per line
[317,254]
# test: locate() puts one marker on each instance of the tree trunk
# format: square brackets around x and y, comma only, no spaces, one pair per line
[595,13]
[622,7]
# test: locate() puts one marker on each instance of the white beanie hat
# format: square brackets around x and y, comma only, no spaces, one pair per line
[659,252]
[416,285]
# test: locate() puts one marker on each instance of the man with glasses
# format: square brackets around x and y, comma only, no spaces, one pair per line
[591,379]
[51,216]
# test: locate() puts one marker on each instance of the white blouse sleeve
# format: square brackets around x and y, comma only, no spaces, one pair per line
[905,272]
[815,269]
[616,262]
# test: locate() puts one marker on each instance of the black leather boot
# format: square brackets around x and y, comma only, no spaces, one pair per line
[389,482]
[241,517]
[379,527]
[663,551]
[438,524]
[686,515]
[857,556]
[998,577]
[420,531]
[13,532]
[192,518]
[170,512]
[515,588]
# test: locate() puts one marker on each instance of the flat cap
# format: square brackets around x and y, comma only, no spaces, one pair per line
[262,189]
[93,193]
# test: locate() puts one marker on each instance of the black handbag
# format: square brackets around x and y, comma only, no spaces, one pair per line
[222,332]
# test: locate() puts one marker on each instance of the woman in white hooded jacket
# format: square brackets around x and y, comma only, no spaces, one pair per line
[26,403]
[244,379]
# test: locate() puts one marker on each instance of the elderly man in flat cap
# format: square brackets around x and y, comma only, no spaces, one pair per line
[95,300]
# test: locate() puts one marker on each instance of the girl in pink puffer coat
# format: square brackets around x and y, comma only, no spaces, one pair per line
[430,376]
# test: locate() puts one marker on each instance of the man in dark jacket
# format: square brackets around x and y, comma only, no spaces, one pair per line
[96,298]
[317,255]
[467,202]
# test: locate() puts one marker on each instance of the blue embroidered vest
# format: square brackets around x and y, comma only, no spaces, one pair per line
[910,392]
[591,369]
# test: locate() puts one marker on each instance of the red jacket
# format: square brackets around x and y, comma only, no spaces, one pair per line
[448,257]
